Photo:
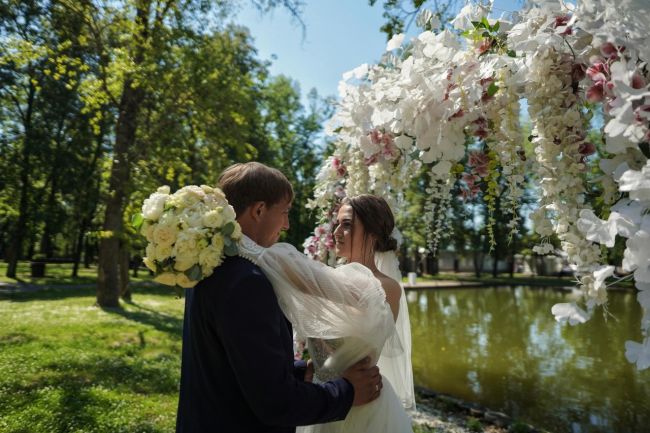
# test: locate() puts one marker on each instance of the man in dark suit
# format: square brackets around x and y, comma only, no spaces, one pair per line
[238,374]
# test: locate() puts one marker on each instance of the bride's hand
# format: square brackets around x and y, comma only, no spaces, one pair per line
[366,381]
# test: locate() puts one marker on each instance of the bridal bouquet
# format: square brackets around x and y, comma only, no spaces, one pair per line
[189,233]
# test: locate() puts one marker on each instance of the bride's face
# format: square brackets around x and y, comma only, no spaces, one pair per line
[348,235]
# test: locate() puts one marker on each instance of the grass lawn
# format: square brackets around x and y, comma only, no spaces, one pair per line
[68,366]
[59,273]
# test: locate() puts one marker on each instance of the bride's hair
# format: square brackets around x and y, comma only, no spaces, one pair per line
[377,219]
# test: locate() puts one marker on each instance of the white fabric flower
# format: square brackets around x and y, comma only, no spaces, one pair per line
[569,312]
[395,42]
[638,353]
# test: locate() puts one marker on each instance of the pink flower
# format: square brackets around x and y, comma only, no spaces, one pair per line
[371,159]
[586,148]
[329,241]
[598,71]
[642,113]
[469,179]
[609,51]
[638,82]
[485,46]
[477,158]
[375,136]
[481,170]
[562,21]
[387,138]
[595,93]
[480,127]
[338,165]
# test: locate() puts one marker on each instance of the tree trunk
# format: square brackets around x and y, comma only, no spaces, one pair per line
[108,283]
[125,291]
[16,245]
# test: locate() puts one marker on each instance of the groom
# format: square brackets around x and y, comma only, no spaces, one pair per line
[238,374]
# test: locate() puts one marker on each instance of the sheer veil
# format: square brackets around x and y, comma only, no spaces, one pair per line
[397,368]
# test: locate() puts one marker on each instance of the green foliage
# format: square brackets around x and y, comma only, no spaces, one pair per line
[202,98]
[519,427]
[400,14]
[473,424]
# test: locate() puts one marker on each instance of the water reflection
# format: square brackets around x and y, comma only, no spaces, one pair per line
[502,348]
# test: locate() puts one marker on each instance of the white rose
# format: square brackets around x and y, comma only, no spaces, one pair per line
[193,217]
[163,252]
[184,263]
[213,218]
[207,189]
[163,190]
[165,234]
[217,242]
[184,281]
[166,278]
[153,206]
[185,251]
[149,264]
[209,258]
[229,213]
[150,251]
[147,230]
[189,195]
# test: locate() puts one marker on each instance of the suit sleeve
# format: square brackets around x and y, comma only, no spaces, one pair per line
[249,324]
[299,369]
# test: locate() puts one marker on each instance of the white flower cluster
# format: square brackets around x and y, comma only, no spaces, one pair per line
[428,99]
[189,233]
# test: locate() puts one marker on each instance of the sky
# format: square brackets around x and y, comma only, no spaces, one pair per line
[339,36]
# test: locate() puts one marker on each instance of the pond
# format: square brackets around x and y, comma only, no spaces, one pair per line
[502,348]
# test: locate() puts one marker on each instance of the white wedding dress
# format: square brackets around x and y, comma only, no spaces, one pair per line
[343,314]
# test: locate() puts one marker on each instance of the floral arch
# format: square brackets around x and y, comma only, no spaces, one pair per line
[426,100]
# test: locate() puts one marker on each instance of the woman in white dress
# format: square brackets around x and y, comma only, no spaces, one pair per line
[350,312]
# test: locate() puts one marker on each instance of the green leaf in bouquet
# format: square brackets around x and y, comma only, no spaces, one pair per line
[231,250]
[194,273]
[228,228]
[492,89]
[227,241]
[137,220]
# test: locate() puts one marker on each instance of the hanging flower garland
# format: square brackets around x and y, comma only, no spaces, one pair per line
[454,95]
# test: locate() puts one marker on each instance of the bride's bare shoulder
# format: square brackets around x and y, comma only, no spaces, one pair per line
[393,292]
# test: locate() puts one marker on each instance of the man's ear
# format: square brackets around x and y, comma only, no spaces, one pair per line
[256,210]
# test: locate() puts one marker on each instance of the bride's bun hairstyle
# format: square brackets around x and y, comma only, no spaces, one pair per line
[377,219]
[251,182]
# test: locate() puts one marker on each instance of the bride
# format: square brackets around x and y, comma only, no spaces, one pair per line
[350,312]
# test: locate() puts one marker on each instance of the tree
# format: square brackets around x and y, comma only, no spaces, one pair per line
[292,131]
[400,14]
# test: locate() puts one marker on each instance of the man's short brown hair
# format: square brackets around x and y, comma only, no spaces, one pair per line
[247,183]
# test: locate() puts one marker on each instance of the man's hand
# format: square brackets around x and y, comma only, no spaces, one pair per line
[366,381]
[309,373]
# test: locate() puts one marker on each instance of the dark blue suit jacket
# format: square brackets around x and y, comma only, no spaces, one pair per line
[238,373]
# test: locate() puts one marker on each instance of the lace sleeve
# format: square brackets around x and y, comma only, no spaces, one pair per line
[328,303]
